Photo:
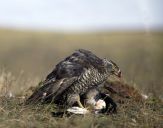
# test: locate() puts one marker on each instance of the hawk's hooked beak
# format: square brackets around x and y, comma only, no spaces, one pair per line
[118,74]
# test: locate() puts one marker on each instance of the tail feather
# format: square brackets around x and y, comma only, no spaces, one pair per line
[50,91]
[44,92]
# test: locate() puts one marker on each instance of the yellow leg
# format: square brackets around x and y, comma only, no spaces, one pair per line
[79,103]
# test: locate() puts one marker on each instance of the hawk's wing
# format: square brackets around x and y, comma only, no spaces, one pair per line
[50,90]
[65,73]
[75,64]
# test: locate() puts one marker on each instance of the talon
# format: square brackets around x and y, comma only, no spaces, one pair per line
[80,104]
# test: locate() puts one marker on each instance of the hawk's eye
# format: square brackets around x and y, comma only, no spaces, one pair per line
[110,66]
[106,62]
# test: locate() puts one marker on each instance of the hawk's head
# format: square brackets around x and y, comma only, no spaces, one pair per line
[112,68]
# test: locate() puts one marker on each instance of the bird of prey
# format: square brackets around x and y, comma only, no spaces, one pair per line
[77,76]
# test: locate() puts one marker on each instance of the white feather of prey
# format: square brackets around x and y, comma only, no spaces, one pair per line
[78,110]
[98,106]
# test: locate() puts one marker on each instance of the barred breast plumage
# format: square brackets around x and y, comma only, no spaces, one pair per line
[90,78]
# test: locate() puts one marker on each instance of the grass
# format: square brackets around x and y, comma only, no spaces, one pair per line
[27,57]
[130,114]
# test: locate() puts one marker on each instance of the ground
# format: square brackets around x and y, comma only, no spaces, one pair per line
[27,57]
[130,114]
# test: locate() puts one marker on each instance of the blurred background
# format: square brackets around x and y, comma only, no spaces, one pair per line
[36,34]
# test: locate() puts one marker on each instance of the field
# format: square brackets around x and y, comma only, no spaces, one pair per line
[27,57]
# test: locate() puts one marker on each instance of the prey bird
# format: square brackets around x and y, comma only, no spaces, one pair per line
[75,78]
